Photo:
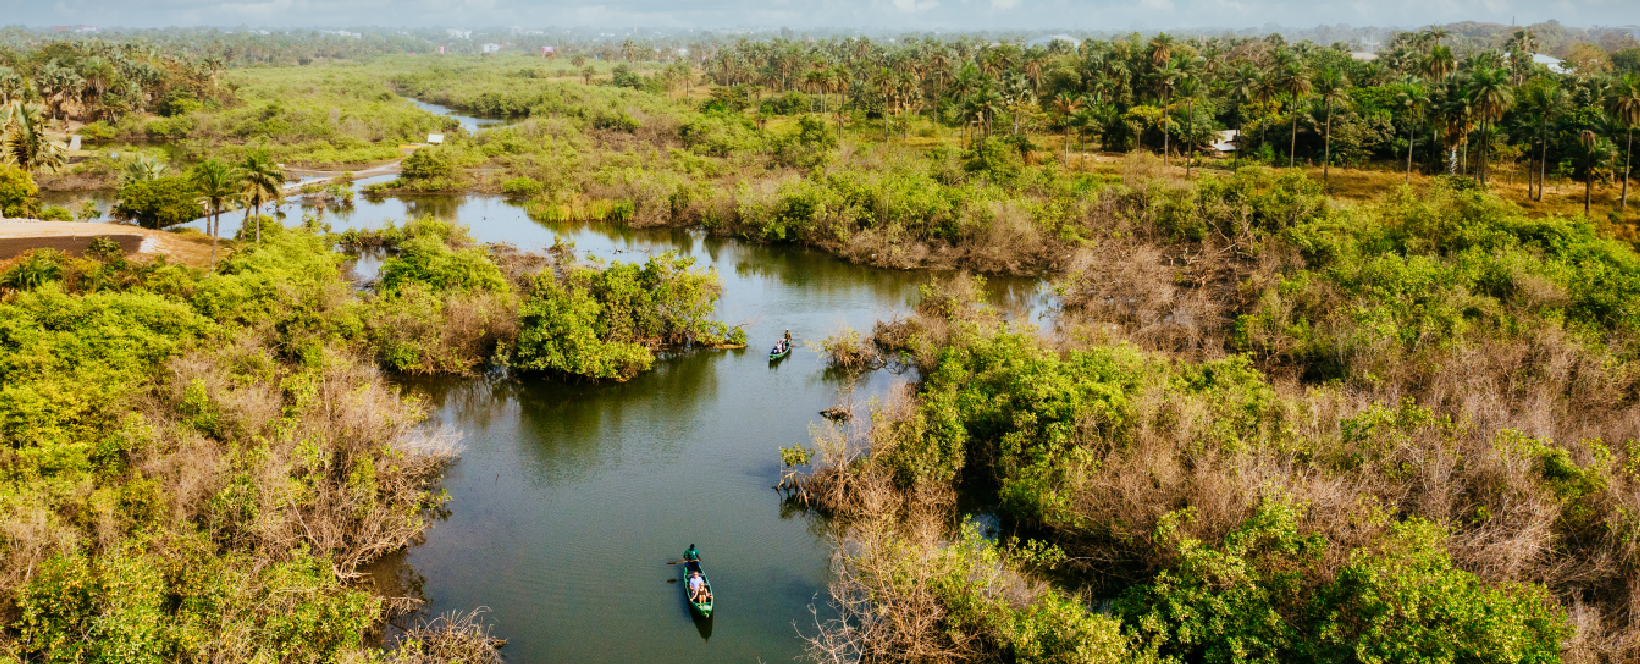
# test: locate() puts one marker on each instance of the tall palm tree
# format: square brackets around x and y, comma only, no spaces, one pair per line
[1437,33]
[263,182]
[1295,81]
[1414,99]
[1331,85]
[1547,101]
[217,184]
[1439,64]
[1161,50]
[1167,78]
[1243,87]
[1457,120]
[1190,90]
[1269,85]
[1066,106]
[1590,143]
[1623,102]
[1490,95]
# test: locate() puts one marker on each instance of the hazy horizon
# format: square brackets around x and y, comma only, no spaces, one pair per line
[909,15]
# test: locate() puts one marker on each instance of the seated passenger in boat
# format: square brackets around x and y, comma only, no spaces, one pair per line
[697,588]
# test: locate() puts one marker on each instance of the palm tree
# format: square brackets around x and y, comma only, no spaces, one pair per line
[1331,85]
[1066,106]
[1166,79]
[1244,87]
[1190,89]
[1490,95]
[1590,142]
[141,168]
[1161,50]
[217,184]
[1623,103]
[263,182]
[1414,99]
[1439,64]
[1294,81]
[1456,123]
[23,139]
[1437,33]
[1546,100]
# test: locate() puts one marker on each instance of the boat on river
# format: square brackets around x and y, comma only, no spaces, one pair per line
[780,350]
[703,608]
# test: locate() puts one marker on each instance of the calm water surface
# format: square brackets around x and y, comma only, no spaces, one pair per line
[570,498]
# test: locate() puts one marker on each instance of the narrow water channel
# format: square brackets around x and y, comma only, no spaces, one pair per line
[570,498]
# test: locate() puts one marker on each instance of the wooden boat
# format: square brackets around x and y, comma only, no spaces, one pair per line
[703,608]
[775,353]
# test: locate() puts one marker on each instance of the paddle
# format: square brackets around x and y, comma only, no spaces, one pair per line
[679,561]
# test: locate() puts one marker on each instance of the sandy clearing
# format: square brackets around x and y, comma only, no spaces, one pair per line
[17,237]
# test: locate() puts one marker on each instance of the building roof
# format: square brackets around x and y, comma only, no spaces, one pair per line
[1554,64]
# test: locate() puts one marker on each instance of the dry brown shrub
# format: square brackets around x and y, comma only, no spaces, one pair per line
[1007,241]
[340,466]
[451,638]
[849,351]
[441,333]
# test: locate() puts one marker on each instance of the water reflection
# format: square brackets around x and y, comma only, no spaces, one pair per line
[470,123]
[569,497]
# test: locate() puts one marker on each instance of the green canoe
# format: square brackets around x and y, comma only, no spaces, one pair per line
[775,353]
[703,608]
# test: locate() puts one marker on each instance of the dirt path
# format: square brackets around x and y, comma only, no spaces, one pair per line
[17,237]
[299,173]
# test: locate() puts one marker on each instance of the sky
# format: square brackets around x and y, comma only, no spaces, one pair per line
[954,15]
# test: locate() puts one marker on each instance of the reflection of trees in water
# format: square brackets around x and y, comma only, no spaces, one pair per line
[567,427]
[392,577]
[464,401]
[440,206]
[570,427]
[815,271]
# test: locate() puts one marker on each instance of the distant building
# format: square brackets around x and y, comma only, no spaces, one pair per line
[490,48]
[459,33]
[1554,64]
[1365,57]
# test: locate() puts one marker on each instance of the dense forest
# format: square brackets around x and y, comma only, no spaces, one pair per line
[1363,391]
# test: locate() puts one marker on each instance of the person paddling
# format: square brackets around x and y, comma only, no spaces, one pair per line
[691,559]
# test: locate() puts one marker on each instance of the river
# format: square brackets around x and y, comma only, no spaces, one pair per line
[570,498]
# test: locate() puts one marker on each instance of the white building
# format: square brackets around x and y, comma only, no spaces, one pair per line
[490,48]
[1554,64]
[459,33]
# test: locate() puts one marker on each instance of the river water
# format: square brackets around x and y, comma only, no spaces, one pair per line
[570,498]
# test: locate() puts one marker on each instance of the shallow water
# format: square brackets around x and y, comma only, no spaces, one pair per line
[569,498]
[468,122]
